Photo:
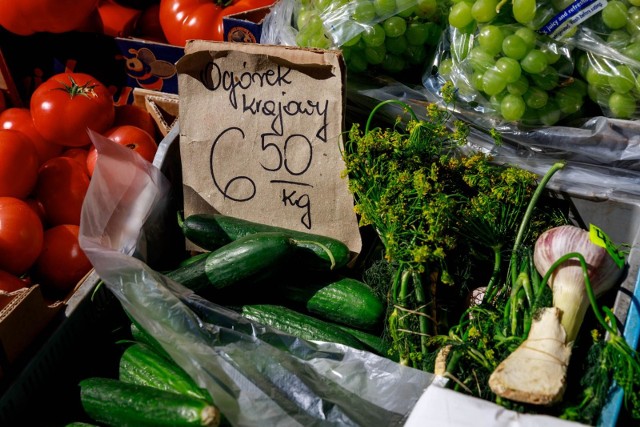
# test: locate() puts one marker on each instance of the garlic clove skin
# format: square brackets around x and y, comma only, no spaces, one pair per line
[567,281]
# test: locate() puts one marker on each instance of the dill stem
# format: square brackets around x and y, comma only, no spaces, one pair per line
[382,104]
[529,212]
[421,302]
[495,274]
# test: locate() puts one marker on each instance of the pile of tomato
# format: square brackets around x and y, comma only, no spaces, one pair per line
[172,21]
[46,163]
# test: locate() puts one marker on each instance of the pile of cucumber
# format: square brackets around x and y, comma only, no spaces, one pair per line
[290,281]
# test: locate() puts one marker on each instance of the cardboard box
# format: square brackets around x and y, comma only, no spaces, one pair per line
[122,64]
[245,27]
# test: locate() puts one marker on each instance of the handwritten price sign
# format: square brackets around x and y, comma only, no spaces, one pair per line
[261,135]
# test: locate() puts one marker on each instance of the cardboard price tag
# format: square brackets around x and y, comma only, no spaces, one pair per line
[261,136]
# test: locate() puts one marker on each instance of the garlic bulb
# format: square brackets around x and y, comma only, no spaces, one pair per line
[567,281]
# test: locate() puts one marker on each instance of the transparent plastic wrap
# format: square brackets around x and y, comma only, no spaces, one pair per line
[508,76]
[602,154]
[610,64]
[256,375]
[374,35]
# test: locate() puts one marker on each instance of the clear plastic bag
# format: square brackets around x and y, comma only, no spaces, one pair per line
[374,36]
[256,375]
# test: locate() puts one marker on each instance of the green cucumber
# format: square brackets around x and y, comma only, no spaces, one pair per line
[248,259]
[298,324]
[117,403]
[373,343]
[140,364]
[210,231]
[343,300]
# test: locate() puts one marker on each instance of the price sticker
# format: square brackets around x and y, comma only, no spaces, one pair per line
[600,238]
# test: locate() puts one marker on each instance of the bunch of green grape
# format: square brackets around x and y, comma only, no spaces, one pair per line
[503,64]
[610,62]
[391,35]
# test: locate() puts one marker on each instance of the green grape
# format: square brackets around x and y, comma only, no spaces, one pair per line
[514,47]
[493,82]
[357,62]
[394,26]
[322,5]
[534,62]
[579,87]
[530,117]
[374,36]
[524,10]
[596,77]
[416,55]
[364,12]
[426,8]
[568,101]
[622,80]
[445,67]
[622,105]
[551,52]
[519,87]
[375,55]
[303,38]
[405,8]
[484,10]
[393,63]
[460,15]
[353,41]
[632,51]
[396,45]
[550,114]
[633,21]
[512,107]
[417,33]
[480,60]
[476,80]
[547,80]
[304,17]
[614,14]
[384,8]
[434,32]
[634,2]
[490,39]
[510,69]
[560,5]
[528,35]
[319,40]
[599,94]
[496,100]
[535,97]
[582,64]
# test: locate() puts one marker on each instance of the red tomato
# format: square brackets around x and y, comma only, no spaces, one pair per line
[148,26]
[18,164]
[61,188]
[18,118]
[130,114]
[27,17]
[182,20]
[62,263]
[9,282]
[67,104]
[21,235]
[131,137]
[37,207]
[78,154]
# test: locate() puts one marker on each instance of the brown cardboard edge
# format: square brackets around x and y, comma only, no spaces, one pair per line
[162,106]
[22,320]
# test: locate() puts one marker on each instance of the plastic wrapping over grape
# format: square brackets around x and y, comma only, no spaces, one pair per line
[528,63]
[388,36]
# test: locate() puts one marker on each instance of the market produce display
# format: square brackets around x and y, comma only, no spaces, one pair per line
[47,162]
[474,270]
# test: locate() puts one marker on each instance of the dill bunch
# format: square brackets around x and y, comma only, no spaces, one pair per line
[444,218]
